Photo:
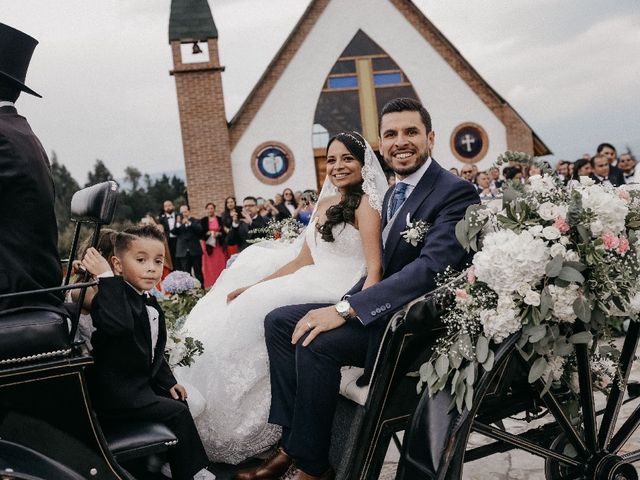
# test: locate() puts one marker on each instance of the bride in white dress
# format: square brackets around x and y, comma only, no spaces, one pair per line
[233,372]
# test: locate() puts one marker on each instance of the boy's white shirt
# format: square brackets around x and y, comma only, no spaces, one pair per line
[153,314]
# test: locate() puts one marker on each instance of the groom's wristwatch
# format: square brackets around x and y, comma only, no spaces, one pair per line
[343,307]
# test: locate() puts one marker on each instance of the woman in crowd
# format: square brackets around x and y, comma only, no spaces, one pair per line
[288,206]
[341,244]
[213,256]
[581,168]
[306,207]
[231,211]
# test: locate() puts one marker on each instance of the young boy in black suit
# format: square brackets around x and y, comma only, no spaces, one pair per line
[131,379]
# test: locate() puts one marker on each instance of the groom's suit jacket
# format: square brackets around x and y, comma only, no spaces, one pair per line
[29,234]
[440,199]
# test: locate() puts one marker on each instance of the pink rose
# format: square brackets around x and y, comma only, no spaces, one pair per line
[623,245]
[561,224]
[471,276]
[461,294]
[624,196]
[610,241]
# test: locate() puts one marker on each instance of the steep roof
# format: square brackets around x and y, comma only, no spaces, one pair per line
[421,23]
[191,20]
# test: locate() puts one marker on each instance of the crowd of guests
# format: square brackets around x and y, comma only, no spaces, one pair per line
[605,166]
[202,246]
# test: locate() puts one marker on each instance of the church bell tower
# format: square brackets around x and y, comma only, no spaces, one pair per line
[193,37]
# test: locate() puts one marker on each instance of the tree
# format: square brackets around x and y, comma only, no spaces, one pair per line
[100,174]
[132,174]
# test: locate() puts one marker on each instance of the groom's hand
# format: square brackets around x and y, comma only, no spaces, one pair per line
[315,322]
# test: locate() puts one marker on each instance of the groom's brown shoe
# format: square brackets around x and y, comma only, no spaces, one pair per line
[270,469]
[328,475]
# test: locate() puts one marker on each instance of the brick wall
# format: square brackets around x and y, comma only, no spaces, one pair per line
[205,133]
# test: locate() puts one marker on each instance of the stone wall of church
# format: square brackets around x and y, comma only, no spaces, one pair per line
[286,115]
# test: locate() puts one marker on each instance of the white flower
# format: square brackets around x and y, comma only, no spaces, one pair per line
[555,367]
[610,210]
[550,211]
[498,324]
[551,233]
[557,249]
[495,206]
[536,230]
[564,240]
[509,259]
[587,181]
[532,298]
[572,256]
[563,299]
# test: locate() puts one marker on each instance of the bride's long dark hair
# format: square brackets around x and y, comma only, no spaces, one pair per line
[345,210]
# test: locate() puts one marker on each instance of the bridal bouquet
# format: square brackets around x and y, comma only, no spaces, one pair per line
[557,265]
[286,230]
[183,292]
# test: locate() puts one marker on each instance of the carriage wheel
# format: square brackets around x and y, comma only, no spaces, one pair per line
[598,450]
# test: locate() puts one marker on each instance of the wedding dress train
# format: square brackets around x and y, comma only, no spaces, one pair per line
[233,374]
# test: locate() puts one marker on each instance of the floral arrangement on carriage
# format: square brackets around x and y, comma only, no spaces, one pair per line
[285,230]
[557,265]
[182,292]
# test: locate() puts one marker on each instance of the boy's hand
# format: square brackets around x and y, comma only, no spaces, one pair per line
[95,263]
[178,392]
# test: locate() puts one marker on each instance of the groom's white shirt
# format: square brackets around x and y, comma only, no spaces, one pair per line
[413,179]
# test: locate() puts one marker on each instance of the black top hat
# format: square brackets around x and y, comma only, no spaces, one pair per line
[16,49]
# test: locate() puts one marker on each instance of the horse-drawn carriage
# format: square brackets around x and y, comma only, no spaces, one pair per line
[48,429]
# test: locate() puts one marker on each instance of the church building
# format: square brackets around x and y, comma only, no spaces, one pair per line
[319,84]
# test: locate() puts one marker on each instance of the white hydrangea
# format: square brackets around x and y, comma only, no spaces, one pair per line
[551,233]
[557,249]
[536,230]
[509,259]
[563,298]
[550,211]
[572,256]
[555,367]
[609,208]
[498,324]
[541,184]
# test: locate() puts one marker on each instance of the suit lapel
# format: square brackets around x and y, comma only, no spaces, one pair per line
[422,190]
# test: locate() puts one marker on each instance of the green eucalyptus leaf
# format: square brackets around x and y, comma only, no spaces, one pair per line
[482,348]
[462,233]
[465,347]
[580,337]
[581,267]
[570,274]
[488,363]
[537,369]
[546,302]
[468,397]
[582,308]
[442,365]
[470,372]
[537,332]
[455,359]
[562,348]
[554,266]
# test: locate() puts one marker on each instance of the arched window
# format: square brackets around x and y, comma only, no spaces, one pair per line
[361,81]
[320,136]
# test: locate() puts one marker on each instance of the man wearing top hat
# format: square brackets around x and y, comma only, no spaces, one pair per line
[29,235]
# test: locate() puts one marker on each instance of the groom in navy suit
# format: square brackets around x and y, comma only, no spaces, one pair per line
[308,344]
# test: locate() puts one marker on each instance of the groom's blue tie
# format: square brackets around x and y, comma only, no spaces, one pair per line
[398,198]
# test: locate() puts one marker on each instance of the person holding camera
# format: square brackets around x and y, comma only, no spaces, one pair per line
[188,230]
[243,226]
[306,207]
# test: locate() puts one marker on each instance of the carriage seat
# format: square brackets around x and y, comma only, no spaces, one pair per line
[131,440]
[32,334]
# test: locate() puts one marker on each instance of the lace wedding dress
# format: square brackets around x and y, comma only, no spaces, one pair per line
[233,374]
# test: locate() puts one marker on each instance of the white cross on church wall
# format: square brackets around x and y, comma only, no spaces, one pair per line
[467,141]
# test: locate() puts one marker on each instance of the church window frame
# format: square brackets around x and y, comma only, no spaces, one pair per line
[290,163]
[483,136]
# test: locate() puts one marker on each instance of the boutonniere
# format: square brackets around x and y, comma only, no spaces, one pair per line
[415,231]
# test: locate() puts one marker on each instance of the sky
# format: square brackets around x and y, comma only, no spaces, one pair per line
[570,69]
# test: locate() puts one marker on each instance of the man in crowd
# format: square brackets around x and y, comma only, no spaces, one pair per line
[168,221]
[615,175]
[467,173]
[562,169]
[627,164]
[243,228]
[29,238]
[188,231]
[602,171]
